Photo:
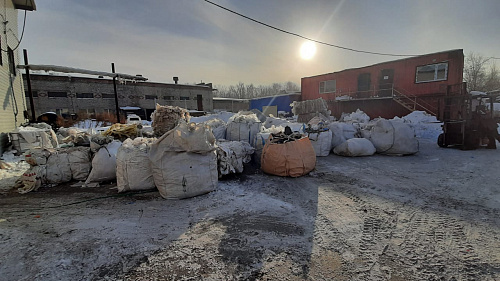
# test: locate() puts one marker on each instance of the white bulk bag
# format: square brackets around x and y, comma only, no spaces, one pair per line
[241,131]
[355,147]
[393,137]
[58,168]
[341,132]
[104,163]
[133,168]
[179,175]
[321,142]
[79,162]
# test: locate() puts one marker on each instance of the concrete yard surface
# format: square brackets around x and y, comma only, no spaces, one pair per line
[431,216]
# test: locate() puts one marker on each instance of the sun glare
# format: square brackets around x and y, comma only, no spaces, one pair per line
[307,50]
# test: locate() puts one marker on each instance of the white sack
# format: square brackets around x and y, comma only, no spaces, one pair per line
[341,132]
[104,163]
[321,142]
[243,131]
[188,137]
[218,128]
[231,155]
[393,137]
[58,168]
[260,141]
[355,147]
[79,162]
[133,168]
[179,175]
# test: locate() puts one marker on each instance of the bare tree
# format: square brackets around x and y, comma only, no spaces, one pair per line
[474,71]
[492,80]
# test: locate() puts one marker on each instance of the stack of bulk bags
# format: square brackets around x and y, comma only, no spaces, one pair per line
[184,161]
[307,110]
[133,168]
[231,155]
[392,137]
[291,156]
[55,166]
[243,126]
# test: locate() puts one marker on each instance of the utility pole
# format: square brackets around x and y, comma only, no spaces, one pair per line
[30,93]
[116,94]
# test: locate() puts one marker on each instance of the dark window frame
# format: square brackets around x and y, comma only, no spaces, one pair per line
[57,94]
[108,96]
[325,87]
[85,95]
[436,72]
[151,97]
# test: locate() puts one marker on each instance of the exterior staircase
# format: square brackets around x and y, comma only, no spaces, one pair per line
[413,103]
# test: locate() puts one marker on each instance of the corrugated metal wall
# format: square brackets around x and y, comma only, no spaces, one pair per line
[11,90]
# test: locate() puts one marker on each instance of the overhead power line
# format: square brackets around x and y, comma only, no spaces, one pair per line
[304,37]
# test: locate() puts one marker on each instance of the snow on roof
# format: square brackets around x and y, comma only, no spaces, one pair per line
[130,108]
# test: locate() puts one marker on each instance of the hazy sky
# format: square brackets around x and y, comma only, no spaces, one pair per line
[197,41]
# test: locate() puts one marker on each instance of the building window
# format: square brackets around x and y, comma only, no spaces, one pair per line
[184,98]
[27,94]
[108,96]
[12,62]
[85,95]
[57,94]
[329,86]
[432,72]
[168,98]
[151,97]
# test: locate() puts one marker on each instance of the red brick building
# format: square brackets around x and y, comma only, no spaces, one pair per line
[389,89]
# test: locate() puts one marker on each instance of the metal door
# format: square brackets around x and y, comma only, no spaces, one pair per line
[385,82]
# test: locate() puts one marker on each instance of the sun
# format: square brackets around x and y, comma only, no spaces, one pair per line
[307,50]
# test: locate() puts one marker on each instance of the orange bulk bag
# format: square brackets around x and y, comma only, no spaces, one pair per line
[294,158]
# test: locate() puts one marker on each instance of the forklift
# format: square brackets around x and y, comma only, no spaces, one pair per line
[469,120]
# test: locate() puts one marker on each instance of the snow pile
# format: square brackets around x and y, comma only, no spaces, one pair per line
[426,126]
[224,116]
[231,155]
